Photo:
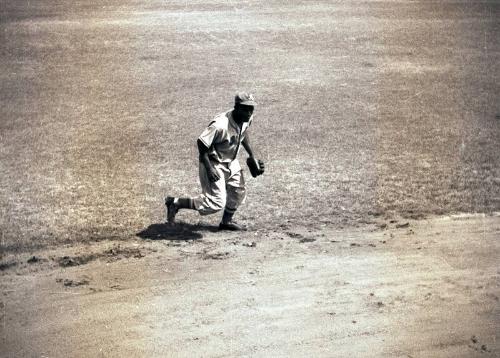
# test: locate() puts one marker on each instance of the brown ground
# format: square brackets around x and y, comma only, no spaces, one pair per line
[371,112]
[428,289]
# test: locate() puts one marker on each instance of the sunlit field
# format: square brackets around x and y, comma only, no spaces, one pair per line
[362,114]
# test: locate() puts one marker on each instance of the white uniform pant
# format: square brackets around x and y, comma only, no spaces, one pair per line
[226,193]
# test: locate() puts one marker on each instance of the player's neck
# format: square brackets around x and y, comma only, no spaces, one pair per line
[236,120]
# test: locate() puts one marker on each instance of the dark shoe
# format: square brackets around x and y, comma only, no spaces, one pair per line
[172,209]
[232,226]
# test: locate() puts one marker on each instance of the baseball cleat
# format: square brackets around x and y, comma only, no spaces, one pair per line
[172,209]
[232,226]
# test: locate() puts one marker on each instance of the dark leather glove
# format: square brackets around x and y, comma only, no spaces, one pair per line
[256,166]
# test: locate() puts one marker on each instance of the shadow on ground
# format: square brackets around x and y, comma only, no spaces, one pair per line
[180,231]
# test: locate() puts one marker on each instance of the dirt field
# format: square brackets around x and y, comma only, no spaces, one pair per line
[426,289]
[372,115]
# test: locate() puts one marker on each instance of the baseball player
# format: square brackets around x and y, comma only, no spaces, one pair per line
[221,176]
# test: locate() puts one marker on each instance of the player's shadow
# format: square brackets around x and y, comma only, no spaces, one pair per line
[178,232]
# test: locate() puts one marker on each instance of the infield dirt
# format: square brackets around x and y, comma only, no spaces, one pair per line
[372,114]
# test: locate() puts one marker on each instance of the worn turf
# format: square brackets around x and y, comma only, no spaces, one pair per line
[366,109]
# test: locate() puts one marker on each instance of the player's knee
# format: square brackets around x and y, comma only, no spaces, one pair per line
[217,204]
[236,198]
[210,204]
[241,194]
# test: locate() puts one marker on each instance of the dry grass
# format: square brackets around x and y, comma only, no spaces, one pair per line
[367,109]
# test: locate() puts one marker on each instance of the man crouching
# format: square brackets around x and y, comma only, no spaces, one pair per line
[221,175]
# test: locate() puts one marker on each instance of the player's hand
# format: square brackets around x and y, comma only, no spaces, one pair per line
[261,166]
[212,174]
[255,166]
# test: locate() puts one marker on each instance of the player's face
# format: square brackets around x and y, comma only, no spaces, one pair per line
[243,113]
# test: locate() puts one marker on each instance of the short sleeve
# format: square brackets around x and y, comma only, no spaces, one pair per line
[247,125]
[209,135]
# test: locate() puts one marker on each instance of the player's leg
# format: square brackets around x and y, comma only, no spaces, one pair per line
[211,200]
[174,204]
[213,196]
[236,194]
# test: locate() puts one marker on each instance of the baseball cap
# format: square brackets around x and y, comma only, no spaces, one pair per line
[245,99]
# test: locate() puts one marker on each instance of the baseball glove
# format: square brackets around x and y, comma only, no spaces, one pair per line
[256,166]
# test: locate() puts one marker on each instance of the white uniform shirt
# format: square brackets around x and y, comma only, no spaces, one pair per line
[223,136]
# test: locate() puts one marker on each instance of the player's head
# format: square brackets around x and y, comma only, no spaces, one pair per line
[244,104]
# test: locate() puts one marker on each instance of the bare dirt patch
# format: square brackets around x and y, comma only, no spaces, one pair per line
[68,257]
[350,292]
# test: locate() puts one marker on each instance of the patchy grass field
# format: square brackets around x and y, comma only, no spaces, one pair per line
[367,109]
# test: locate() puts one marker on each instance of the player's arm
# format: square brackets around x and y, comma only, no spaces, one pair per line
[203,150]
[256,166]
[246,144]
